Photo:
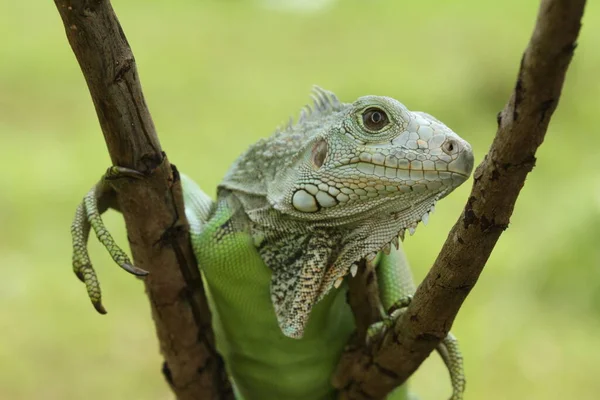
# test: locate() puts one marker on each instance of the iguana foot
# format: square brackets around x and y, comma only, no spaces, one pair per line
[88,217]
[379,328]
[448,348]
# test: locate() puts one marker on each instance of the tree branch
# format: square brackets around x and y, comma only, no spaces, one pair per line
[159,244]
[370,373]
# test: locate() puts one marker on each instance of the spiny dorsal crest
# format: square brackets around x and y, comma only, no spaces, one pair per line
[256,168]
[324,103]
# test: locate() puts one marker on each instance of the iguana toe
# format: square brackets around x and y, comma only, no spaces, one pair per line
[379,328]
[88,217]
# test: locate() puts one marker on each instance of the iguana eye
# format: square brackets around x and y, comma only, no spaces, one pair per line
[375,119]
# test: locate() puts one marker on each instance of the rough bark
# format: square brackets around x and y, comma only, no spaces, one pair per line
[370,373]
[159,244]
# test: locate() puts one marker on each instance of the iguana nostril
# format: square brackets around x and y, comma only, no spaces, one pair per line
[319,153]
[450,146]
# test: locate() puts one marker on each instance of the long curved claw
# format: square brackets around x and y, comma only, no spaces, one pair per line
[88,217]
[116,172]
[118,255]
[93,288]
[449,350]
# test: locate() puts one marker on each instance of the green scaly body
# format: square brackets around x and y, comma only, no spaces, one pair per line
[248,336]
[247,332]
[293,216]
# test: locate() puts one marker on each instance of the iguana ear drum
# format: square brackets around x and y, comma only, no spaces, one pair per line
[319,153]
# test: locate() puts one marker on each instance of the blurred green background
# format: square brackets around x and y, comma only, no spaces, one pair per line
[219,75]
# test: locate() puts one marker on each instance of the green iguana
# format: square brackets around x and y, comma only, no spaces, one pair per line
[293,217]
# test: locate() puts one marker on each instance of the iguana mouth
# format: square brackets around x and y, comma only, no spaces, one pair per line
[402,174]
[373,175]
[320,196]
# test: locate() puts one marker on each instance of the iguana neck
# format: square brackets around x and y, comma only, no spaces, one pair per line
[309,259]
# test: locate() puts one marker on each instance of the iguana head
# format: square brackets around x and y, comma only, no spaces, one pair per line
[341,185]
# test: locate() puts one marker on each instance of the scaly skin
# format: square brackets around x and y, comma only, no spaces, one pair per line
[338,187]
[293,216]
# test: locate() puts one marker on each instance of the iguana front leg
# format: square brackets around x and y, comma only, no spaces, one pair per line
[396,288]
[88,216]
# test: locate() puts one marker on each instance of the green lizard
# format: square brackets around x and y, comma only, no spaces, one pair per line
[293,217]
